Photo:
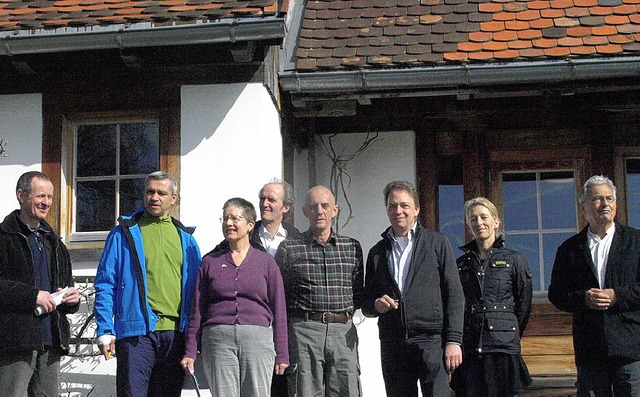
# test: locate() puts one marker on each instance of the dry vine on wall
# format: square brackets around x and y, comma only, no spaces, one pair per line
[340,180]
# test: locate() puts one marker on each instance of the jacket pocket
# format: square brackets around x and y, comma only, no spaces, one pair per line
[503,333]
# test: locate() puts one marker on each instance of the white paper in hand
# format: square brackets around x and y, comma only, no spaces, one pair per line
[57,297]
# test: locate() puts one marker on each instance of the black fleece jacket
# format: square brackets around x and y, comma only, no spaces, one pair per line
[19,326]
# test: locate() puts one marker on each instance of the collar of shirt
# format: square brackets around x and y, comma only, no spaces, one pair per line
[410,235]
[593,238]
[264,233]
[148,219]
[310,239]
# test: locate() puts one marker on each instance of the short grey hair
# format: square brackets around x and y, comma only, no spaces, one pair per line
[248,210]
[595,181]
[286,187]
[160,175]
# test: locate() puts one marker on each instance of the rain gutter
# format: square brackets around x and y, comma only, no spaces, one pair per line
[474,75]
[140,35]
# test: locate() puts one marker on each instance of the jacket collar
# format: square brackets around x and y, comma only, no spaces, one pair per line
[472,246]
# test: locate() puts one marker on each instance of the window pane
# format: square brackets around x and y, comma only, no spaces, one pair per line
[451,201]
[520,201]
[96,148]
[527,245]
[95,206]
[551,242]
[131,195]
[558,198]
[138,148]
[633,192]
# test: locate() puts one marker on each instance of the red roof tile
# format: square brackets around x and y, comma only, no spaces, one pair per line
[428,32]
[48,14]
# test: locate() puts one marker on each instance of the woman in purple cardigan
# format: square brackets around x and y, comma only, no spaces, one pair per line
[239,320]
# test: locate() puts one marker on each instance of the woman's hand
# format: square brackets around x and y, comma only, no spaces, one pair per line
[187,364]
[280,368]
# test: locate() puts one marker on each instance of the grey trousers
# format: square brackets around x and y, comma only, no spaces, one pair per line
[326,357]
[238,360]
[33,373]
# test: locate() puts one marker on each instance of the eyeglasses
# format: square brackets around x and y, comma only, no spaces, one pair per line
[232,218]
[600,199]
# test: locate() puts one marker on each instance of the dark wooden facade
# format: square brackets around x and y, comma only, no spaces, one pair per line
[589,129]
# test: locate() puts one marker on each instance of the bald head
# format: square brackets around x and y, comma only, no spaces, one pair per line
[320,208]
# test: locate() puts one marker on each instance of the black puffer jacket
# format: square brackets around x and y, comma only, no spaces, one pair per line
[498,295]
[19,327]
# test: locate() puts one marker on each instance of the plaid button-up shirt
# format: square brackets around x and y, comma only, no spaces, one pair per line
[322,278]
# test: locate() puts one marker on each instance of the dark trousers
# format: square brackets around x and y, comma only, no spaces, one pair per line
[279,386]
[405,362]
[149,365]
[597,377]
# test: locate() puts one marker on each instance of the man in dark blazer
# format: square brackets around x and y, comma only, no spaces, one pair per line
[596,276]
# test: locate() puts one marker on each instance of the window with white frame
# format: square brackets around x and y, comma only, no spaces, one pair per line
[110,162]
[540,212]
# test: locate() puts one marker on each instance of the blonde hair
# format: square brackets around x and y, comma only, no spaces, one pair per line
[488,205]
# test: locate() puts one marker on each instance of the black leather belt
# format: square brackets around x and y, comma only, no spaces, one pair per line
[487,308]
[323,317]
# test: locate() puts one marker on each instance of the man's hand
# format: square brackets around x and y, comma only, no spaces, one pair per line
[45,300]
[107,345]
[71,297]
[280,368]
[598,299]
[385,303]
[452,357]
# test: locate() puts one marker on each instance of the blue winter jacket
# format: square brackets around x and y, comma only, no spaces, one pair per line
[121,305]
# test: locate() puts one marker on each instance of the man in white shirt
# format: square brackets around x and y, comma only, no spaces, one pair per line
[596,276]
[412,286]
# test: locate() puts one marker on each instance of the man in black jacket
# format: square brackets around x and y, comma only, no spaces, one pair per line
[412,286]
[33,265]
[596,276]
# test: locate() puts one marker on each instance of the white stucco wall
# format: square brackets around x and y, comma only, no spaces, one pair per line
[21,129]
[391,158]
[231,146]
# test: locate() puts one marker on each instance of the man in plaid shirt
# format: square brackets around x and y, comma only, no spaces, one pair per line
[323,281]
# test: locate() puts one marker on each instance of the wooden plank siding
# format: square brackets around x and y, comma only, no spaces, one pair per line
[547,345]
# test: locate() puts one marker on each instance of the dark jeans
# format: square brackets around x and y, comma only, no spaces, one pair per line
[405,362]
[150,365]
[597,377]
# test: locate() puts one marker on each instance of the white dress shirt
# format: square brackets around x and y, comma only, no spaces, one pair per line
[401,248]
[269,242]
[600,248]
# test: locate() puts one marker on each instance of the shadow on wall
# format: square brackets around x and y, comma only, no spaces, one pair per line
[207,109]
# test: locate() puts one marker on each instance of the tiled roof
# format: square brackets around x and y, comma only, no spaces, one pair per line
[399,33]
[52,14]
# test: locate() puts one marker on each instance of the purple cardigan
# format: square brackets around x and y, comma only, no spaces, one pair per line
[249,294]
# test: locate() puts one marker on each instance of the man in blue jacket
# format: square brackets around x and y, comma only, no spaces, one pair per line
[144,291]
[412,286]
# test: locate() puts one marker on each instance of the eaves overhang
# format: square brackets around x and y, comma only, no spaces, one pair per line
[140,35]
[453,77]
